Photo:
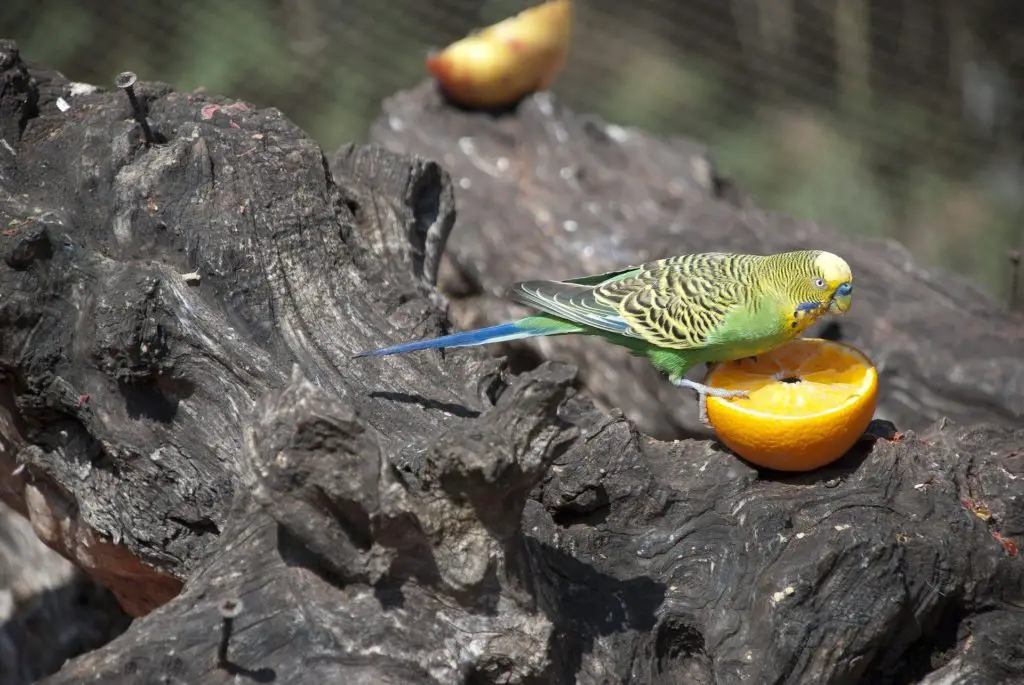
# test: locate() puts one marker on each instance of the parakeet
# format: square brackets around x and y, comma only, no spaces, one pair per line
[679,311]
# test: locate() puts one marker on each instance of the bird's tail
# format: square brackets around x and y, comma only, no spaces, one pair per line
[529,327]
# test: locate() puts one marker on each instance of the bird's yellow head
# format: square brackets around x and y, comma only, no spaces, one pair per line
[835,281]
[817,282]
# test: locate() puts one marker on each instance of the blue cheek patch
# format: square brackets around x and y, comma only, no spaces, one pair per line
[807,306]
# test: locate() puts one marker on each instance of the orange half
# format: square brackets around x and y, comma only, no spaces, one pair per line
[810,400]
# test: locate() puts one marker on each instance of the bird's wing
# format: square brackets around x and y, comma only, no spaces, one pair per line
[572,302]
[679,302]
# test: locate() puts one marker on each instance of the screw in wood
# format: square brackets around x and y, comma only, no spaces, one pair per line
[126,81]
[229,610]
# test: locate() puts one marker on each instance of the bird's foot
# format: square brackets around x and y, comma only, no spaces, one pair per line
[704,391]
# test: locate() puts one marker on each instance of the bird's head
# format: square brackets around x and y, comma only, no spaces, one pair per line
[824,283]
[838,281]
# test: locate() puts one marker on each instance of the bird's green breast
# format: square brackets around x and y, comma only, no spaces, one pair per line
[745,332]
[748,331]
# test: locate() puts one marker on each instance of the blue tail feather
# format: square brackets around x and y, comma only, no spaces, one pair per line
[481,336]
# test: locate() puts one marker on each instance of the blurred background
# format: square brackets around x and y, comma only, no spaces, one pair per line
[900,118]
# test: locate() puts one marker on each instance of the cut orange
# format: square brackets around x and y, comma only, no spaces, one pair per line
[810,400]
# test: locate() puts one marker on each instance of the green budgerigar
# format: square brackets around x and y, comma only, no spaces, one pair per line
[678,311]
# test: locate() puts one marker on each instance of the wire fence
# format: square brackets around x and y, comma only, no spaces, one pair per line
[900,118]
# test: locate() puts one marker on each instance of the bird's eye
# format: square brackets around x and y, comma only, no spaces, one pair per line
[819,282]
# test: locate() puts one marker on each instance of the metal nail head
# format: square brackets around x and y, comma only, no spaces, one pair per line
[126,81]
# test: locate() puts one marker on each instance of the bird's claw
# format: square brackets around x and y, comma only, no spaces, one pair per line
[728,394]
[703,401]
[704,391]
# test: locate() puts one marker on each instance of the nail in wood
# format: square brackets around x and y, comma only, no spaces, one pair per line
[229,610]
[126,81]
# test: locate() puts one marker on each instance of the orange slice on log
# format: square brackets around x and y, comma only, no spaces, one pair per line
[810,400]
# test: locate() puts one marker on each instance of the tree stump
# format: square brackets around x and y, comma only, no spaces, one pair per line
[183,420]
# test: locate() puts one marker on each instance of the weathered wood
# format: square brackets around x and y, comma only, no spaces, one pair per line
[177,325]
[543,192]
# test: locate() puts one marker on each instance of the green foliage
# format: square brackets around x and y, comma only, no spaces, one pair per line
[255,49]
[59,35]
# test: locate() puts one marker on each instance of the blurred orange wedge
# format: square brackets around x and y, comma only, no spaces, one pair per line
[810,400]
[504,62]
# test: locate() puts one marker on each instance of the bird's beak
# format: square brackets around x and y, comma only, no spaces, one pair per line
[840,303]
